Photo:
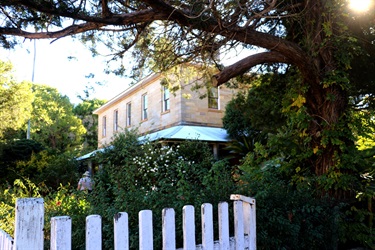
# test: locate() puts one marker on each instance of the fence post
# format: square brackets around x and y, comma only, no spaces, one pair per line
[29,223]
[93,232]
[61,233]
[207,226]
[249,217]
[188,218]
[145,230]
[121,228]
[169,229]
[224,226]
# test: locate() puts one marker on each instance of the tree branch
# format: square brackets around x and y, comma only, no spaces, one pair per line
[245,64]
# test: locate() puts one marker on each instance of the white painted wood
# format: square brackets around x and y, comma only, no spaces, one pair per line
[121,228]
[188,218]
[145,230]
[253,227]
[169,229]
[238,224]
[29,223]
[207,226]
[93,232]
[30,213]
[6,242]
[223,226]
[239,197]
[61,233]
[246,223]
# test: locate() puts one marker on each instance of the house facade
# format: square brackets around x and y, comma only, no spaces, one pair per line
[152,108]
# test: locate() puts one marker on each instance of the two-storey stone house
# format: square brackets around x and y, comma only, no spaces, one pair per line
[160,114]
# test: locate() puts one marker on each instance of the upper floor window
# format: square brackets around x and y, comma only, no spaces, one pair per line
[115,120]
[104,126]
[165,99]
[213,98]
[144,106]
[128,114]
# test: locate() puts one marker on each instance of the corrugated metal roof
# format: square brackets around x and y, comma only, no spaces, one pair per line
[182,132]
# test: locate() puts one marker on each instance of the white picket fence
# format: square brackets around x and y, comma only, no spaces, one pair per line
[29,223]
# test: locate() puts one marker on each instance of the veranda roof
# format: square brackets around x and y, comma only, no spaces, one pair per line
[182,132]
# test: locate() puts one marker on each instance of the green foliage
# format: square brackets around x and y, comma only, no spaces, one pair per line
[155,176]
[83,111]
[66,201]
[42,167]
[13,152]
[53,123]
[15,101]
[291,216]
[21,188]
[63,202]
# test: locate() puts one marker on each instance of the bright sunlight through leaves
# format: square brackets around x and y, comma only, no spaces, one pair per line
[360,5]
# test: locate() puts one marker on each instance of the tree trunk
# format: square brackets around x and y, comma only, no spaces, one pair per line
[326,100]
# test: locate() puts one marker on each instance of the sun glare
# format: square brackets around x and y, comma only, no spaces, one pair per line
[360,5]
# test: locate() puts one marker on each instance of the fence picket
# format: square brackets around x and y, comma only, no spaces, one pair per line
[224,226]
[169,229]
[61,233]
[121,231]
[207,226]
[29,218]
[238,225]
[94,232]
[145,230]
[253,226]
[188,218]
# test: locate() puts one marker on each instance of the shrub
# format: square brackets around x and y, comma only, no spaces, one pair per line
[155,176]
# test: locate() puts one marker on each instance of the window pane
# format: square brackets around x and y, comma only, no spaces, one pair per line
[115,120]
[104,126]
[144,107]
[213,98]
[165,99]
[128,114]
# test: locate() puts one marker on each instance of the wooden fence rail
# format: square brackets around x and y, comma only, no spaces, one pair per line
[29,225]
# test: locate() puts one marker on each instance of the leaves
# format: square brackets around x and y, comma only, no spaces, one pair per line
[15,101]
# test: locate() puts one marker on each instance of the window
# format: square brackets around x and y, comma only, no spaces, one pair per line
[104,126]
[144,106]
[165,99]
[128,114]
[213,98]
[115,120]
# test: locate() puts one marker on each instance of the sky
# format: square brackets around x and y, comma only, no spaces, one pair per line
[54,68]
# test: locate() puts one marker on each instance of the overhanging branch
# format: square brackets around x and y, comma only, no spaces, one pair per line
[245,64]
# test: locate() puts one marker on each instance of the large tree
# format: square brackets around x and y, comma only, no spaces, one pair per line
[317,40]
[53,123]
[15,102]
